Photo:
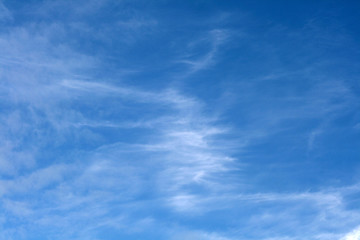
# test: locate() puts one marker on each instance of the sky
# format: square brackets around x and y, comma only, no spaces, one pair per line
[179,120]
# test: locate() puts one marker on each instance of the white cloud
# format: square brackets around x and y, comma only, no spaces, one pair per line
[215,39]
[35,181]
[197,235]
[353,235]
[180,159]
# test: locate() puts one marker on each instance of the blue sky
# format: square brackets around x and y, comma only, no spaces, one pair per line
[179,120]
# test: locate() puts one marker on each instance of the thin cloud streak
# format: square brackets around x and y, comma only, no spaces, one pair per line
[85,153]
[215,38]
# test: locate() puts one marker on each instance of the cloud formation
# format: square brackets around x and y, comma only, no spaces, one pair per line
[126,120]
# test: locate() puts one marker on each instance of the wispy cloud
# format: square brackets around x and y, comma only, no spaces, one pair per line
[5,14]
[87,152]
[353,235]
[214,40]
[182,143]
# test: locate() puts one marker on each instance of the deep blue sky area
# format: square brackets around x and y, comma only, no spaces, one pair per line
[179,120]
